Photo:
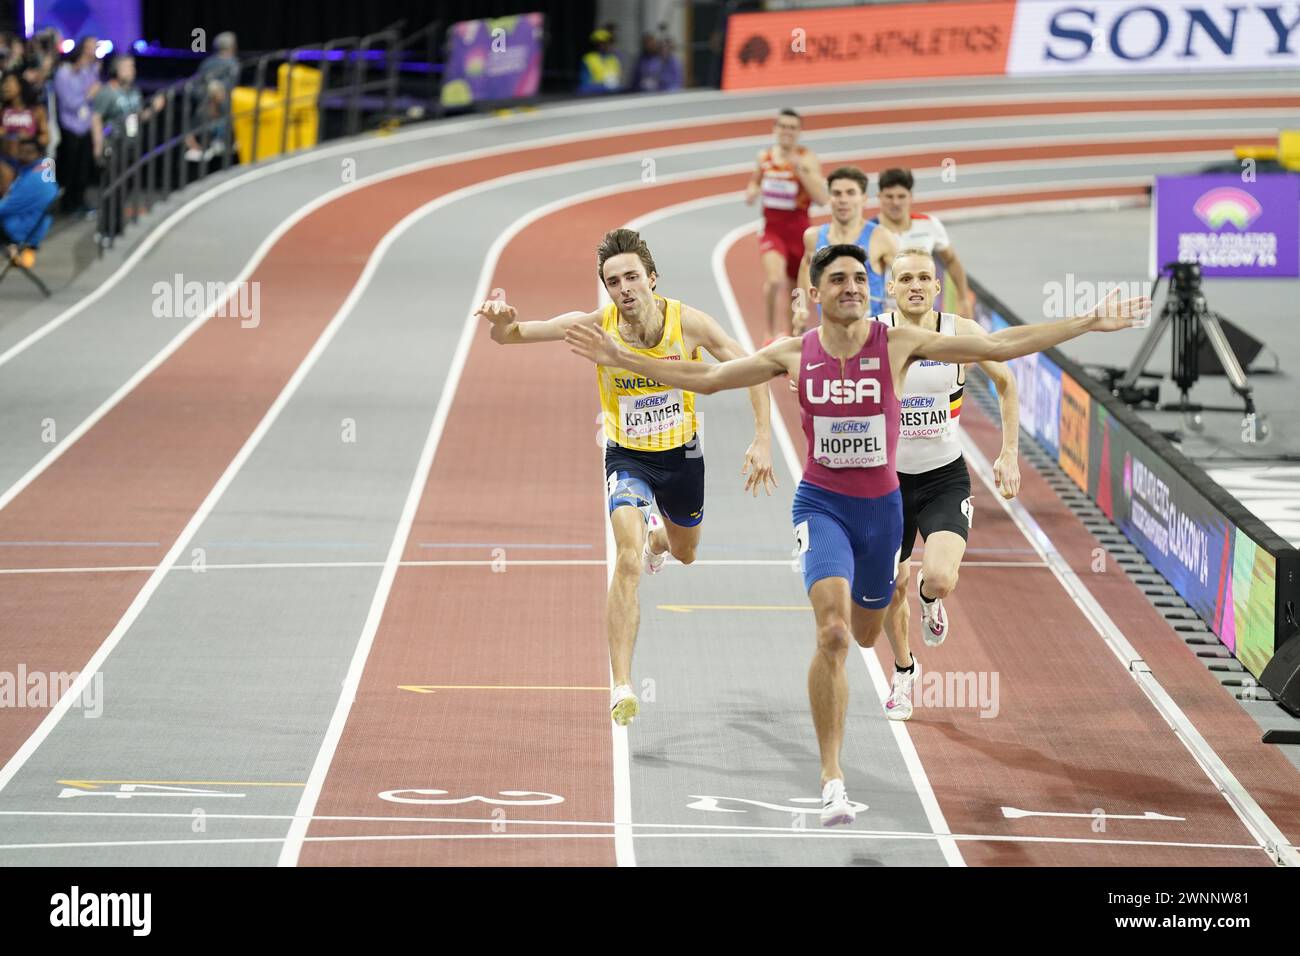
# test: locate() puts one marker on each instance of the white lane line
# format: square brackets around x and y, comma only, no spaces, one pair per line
[921,783]
[324,757]
[444,129]
[19,758]
[671,833]
[73,693]
[624,848]
[624,845]
[55,453]
[502,562]
[1258,824]
[727,108]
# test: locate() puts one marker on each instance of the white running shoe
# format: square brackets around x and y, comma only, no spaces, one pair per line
[623,705]
[898,705]
[934,619]
[654,563]
[836,808]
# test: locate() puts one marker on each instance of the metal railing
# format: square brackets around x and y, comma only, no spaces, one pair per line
[192,133]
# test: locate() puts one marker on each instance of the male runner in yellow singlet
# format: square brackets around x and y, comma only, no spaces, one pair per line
[652,452]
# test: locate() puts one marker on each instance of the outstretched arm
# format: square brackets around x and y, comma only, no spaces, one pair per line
[1006,468]
[755,185]
[703,329]
[801,305]
[809,172]
[506,330]
[1110,316]
[597,345]
[881,249]
[958,273]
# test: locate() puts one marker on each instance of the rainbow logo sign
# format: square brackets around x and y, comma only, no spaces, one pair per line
[1225,204]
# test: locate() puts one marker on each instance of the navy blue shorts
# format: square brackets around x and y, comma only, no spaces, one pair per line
[839,536]
[674,478]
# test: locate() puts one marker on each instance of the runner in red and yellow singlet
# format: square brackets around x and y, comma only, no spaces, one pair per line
[788,179]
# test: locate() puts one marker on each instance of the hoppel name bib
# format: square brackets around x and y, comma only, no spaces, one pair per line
[850,442]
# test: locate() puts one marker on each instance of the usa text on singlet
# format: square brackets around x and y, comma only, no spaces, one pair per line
[850,416]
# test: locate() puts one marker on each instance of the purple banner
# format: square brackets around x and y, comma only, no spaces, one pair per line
[497,59]
[1230,227]
[116,20]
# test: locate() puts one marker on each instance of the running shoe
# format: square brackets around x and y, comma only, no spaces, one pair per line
[836,808]
[623,705]
[654,563]
[934,619]
[898,705]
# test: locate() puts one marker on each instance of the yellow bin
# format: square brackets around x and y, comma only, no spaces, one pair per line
[302,117]
[270,120]
[303,110]
[1288,149]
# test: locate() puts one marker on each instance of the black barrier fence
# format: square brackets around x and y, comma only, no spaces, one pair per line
[1240,577]
[210,122]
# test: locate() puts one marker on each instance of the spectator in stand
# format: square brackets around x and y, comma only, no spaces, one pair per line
[11,52]
[602,71]
[119,111]
[21,118]
[41,60]
[76,83]
[215,110]
[37,67]
[657,70]
[671,77]
[117,101]
[23,207]
[222,65]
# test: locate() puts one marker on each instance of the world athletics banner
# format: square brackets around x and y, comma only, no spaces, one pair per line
[879,41]
[1229,227]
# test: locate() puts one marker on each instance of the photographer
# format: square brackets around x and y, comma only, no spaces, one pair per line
[118,112]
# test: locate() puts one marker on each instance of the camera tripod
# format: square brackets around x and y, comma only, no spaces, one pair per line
[1186,311]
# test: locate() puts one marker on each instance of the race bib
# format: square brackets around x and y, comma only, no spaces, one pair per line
[925,416]
[850,442]
[645,415]
[779,193]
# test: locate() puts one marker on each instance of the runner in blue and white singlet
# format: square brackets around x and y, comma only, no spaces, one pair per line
[847,187]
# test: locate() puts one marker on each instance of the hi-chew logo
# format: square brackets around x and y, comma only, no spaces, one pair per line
[849,425]
[650,401]
[917,401]
[1224,204]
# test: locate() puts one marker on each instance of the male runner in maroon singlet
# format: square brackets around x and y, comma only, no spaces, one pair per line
[788,179]
[847,509]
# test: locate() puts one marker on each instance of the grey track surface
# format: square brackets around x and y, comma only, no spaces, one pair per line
[232,674]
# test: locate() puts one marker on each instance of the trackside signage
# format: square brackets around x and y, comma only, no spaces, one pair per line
[1107,36]
[883,41]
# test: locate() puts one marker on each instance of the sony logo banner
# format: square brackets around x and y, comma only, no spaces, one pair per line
[1060,36]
